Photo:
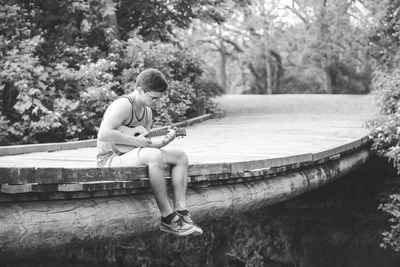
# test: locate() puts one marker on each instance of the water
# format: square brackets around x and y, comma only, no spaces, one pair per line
[337,225]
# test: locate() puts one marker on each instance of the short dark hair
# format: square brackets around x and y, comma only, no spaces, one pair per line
[151,80]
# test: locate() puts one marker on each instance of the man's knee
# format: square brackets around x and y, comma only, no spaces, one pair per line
[151,156]
[183,158]
[180,157]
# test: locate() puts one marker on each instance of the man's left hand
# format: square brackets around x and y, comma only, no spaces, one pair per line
[170,136]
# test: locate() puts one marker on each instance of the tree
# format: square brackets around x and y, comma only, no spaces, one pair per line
[215,40]
[264,60]
[157,20]
[385,40]
[335,44]
[237,42]
[62,62]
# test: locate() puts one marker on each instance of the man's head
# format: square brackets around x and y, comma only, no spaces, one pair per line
[150,86]
[151,80]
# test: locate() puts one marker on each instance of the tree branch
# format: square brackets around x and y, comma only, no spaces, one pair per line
[209,42]
[297,13]
[236,46]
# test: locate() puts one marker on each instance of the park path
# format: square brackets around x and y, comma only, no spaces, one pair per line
[263,126]
[254,127]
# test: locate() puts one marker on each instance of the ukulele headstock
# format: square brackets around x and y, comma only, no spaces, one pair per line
[180,132]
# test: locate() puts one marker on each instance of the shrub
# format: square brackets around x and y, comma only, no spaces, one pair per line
[385,129]
[385,133]
[175,103]
[58,73]
[66,101]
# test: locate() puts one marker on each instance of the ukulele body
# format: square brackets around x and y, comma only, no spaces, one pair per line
[120,149]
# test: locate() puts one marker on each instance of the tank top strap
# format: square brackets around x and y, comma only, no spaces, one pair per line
[133,110]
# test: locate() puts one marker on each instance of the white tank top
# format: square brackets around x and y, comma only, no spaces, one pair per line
[104,152]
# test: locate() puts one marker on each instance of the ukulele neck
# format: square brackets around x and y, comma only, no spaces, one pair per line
[157,133]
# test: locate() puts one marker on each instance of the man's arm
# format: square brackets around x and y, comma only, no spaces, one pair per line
[166,140]
[116,114]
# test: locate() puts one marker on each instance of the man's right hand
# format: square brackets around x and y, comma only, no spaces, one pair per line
[142,140]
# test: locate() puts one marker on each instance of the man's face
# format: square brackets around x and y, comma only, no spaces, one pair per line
[151,98]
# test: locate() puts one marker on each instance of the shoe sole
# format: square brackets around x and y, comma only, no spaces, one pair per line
[198,231]
[187,232]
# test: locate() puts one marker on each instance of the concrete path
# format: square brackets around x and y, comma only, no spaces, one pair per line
[255,127]
[260,126]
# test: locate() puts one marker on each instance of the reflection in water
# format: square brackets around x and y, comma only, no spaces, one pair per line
[337,225]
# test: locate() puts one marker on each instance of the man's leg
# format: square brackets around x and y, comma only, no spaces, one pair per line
[153,158]
[179,172]
[170,222]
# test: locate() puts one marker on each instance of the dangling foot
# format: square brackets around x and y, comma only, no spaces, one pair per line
[185,215]
[175,224]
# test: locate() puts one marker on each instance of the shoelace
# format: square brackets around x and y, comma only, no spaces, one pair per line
[179,222]
[189,218]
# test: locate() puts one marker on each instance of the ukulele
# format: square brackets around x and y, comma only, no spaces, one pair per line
[120,149]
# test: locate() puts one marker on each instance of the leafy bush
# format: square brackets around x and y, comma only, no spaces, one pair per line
[342,77]
[87,93]
[23,87]
[61,64]
[385,133]
[174,104]
[385,129]
[67,101]
[302,81]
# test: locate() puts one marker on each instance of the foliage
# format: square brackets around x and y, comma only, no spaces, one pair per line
[385,41]
[391,238]
[243,240]
[156,20]
[23,79]
[385,128]
[70,101]
[306,81]
[333,53]
[336,225]
[385,133]
[82,98]
[61,66]
[174,104]
[96,23]
[301,47]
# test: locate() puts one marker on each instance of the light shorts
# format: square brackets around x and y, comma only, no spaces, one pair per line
[129,159]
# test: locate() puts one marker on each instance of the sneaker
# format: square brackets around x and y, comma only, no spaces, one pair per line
[178,227]
[188,219]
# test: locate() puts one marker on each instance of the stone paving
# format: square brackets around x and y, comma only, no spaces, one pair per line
[262,126]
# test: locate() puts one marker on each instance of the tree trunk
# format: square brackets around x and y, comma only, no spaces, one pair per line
[112,31]
[268,71]
[224,82]
[267,54]
[323,30]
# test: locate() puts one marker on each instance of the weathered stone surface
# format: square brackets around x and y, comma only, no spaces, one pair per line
[27,228]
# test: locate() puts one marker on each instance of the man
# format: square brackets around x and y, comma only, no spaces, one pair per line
[134,110]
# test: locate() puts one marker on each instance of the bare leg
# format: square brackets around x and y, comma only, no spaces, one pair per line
[179,172]
[152,157]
